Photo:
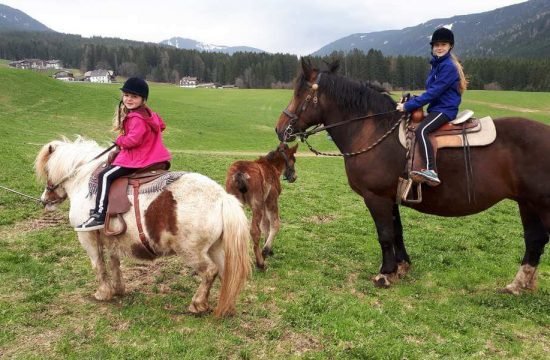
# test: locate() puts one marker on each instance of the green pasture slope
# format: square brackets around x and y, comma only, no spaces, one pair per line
[315,300]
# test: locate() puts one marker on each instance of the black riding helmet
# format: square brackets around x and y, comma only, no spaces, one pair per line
[136,86]
[443,35]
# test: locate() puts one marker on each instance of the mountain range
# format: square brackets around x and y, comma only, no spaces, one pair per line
[190,44]
[15,20]
[520,30]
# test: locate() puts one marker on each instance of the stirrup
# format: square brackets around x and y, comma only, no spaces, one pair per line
[404,187]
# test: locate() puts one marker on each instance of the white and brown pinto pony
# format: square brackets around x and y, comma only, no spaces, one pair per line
[192,217]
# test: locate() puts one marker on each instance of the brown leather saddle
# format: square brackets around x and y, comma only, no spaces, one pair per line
[119,203]
[462,125]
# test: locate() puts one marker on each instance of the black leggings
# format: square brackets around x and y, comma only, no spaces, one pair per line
[432,122]
[104,180]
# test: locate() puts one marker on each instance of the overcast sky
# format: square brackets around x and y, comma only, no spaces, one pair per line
[289,26]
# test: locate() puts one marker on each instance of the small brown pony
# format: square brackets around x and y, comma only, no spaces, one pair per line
[256,184]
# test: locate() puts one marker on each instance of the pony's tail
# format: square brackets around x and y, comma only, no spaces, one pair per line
[241,180]
[237,268]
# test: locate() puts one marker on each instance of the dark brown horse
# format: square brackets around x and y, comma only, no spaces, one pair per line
[510,168]
[256,184]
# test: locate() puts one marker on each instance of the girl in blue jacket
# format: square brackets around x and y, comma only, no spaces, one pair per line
[444,87]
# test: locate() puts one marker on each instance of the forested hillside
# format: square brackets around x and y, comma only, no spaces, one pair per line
[259,70]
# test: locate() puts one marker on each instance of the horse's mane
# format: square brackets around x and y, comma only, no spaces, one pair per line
[58,158]
[350,95]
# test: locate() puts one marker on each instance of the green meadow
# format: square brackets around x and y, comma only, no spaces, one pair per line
[314,301]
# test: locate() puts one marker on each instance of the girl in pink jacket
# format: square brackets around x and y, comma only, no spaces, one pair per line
[139,141]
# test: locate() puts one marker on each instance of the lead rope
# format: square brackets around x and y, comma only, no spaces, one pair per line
[20,193]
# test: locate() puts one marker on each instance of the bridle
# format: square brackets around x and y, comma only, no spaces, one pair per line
[51,187]
[312,97]
[294,117]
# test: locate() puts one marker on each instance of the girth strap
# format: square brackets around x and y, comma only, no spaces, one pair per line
[135,185]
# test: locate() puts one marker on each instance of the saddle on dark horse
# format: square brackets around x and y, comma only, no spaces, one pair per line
[464,131]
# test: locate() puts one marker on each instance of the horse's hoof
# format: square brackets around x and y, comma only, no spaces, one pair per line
[267,252]
[402,269]
[381,281]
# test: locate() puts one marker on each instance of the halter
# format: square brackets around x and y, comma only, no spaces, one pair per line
[294,117]
[287,164]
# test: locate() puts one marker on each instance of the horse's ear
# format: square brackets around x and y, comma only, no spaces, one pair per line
[51,148]
[294,148]
[334,66]
[306,67]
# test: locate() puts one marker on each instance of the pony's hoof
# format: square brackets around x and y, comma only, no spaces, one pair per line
[103,295]
[381,281]
[261,266]
[119,292]
[510,289]
[198,309]
[267,252]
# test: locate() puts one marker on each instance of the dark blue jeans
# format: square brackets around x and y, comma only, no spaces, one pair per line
[432,122]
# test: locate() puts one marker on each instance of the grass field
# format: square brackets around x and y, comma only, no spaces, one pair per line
[314,301]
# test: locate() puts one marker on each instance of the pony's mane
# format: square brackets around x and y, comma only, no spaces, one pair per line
[58,158]
[351,95]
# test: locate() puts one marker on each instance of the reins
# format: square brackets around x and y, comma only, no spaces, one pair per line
[52,187]
[304,135]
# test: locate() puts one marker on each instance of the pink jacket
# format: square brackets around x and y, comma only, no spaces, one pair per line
[141,143]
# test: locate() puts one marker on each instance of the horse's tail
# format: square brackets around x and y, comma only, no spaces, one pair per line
[241,180]
[237,268]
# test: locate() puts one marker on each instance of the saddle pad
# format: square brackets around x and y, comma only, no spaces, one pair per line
[484,137]
[151,187]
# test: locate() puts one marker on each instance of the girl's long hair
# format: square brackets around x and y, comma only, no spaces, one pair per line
[463,85]
[120,114]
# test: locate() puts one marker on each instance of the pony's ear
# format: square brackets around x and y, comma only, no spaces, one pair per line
[306,67]
[51,148]
[282,146]
[294,148]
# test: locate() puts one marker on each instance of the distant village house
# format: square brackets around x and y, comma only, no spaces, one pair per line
[36,64]
[189,82]
[99,76]
[64,75]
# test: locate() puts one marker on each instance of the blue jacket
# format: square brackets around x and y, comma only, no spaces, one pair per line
[441,88]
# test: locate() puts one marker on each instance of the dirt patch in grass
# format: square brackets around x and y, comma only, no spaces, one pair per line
[321,219]
[48,219]
[150,277]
